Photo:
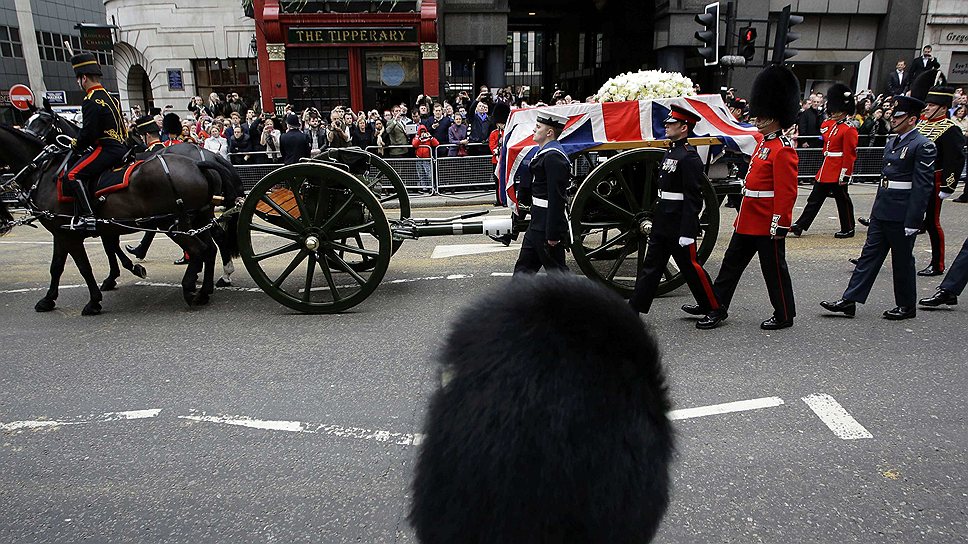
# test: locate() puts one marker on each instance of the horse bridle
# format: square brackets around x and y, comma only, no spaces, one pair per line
[51,125]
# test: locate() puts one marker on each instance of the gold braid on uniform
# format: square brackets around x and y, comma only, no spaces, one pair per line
[933,130]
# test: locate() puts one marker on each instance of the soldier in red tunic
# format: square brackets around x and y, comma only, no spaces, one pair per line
[839,152]
[766,213]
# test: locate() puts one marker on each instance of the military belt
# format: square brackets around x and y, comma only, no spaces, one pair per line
[666,195]
[899,185]
[539,202]
[757,194]
[833,153]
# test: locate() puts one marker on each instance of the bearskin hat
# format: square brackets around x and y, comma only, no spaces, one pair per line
[840,99]
[500,112]
[776,95]
[553,426]
[924,82]
[171,123]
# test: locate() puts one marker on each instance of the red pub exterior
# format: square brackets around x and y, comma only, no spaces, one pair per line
[365,60]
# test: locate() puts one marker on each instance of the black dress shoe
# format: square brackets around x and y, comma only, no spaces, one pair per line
[854,261]
[711,320]
[796,230]
[136,251]
[504,239]
[843,306]
[864,221]
[939,298]
[181,261]
[694,309]
[900,313]
[774,324]
[962,199]
[930,271]
[844,234]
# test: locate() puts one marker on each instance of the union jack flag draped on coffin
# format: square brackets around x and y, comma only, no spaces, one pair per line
[593,124]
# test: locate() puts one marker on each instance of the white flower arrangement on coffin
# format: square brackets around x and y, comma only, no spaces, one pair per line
[645,85]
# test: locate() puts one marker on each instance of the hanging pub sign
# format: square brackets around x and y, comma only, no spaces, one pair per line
[96,38]
[346,35]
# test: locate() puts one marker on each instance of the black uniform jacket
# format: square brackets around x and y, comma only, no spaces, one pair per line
[950,141]
[103,123]
[908,159]
[681,172]
[551,169]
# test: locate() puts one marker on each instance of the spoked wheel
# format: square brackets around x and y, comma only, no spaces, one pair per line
[611,218]
[314,238]
[383,181]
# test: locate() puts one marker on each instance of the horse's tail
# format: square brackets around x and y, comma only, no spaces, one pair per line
[220,182]
[6,219]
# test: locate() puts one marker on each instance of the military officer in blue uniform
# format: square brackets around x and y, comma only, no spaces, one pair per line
[907,183]
[675,226]
[104,131]
[548,234]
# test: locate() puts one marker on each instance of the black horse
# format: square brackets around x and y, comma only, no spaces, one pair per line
[151,193]
[47,125]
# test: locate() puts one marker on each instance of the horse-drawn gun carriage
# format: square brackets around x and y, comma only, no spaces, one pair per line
[318,238]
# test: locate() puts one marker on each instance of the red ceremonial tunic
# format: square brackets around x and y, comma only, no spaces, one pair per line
[773,169]
[839,150]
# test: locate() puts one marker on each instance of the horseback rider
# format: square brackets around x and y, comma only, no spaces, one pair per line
[104,130]
[148,128]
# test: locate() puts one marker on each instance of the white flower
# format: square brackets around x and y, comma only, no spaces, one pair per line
[645,85]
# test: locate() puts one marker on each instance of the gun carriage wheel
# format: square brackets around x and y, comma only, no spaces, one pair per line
[315,238]
[611,217]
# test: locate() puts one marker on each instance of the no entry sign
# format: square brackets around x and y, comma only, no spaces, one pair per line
[21,97]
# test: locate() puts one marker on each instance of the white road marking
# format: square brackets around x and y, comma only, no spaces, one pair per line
[51,242]
[178,285]
[456,250]
[836,417]
[501,274]
[339,431]
[99,418]
[725,408]
[32,289]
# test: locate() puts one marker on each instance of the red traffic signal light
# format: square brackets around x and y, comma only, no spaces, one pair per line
[747,43]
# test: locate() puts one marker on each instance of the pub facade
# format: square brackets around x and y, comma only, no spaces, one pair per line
[364,55]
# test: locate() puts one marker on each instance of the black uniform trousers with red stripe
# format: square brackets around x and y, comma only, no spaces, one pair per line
[90,166]
[772,254]
[932,225]
[654,266]
[820,192]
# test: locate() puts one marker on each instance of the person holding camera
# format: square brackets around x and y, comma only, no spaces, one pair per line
[336,135]
[396,133]
[479,128]
[270,141]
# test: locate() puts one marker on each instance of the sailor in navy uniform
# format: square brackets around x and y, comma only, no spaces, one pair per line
[675,226]
[104,131]
[548,234]
[907,183]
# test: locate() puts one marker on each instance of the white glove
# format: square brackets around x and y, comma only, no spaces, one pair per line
[684,242]
[910,232]
[943,195]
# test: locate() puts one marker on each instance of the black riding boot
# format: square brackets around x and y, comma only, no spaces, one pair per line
[82,204]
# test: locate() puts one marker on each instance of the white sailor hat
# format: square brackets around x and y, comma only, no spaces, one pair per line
[552,119]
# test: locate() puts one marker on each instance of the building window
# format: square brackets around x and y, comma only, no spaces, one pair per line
[10,45]
[225,76]
[52,48]
[320,77]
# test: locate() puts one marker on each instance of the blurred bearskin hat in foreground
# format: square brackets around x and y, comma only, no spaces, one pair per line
[922,84]
[840,99]
[776,95]
[553,428]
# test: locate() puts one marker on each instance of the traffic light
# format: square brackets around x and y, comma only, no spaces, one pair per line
[785,36]
[709,36]
[747,43]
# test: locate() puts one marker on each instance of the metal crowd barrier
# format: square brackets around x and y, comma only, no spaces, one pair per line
[867,167]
